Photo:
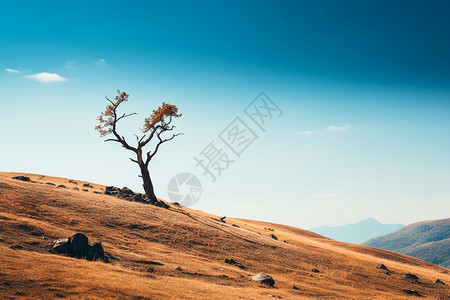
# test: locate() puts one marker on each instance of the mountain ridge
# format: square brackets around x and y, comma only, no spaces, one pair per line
[428,240]
[358,232]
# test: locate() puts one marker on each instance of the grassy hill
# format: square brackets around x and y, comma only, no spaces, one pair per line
[179,253]
[428,240]
[357,233]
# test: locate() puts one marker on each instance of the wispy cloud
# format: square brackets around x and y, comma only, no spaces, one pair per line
[47,77]
[70,63]
[338,128]
[100,61]
[324,195]
[307,132]
[12,70]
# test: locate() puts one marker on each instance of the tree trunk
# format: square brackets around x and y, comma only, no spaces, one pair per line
[148,185]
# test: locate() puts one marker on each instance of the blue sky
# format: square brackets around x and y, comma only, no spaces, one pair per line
[364,88]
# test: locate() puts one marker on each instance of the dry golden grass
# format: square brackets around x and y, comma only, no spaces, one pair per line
[135,234]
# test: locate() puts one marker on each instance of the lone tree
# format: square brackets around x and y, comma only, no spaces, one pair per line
[155,126]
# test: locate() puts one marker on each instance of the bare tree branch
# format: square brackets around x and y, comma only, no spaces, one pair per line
[150,154]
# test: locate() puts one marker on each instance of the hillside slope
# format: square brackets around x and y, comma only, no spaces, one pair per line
[149,243]
[428,240]
[357,233]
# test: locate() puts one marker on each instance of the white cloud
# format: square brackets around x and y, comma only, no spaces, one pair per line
[307,132]
[12,70]
[100,61]
[324,195]
[47,77]
[338,128]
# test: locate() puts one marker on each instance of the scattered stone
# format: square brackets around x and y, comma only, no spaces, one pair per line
[176,203]
[151,270]
[22,178]
[382,267]
[234,225]
[76,189]
[223,219]
[270,229]
[127,194]
[127,191]
[61,186]
[438,281]
[87,185]
[178,269]
[85,190]
[412,292]
[273,236]
[78,246]
[73,181]
[294,287]
[112,190]
[411,276]
[97,192]
[50,183]
[387,273]
[264,279]
[287,242]
[15,247]
[60,246]
[314,270]
[234,263]
[149,262]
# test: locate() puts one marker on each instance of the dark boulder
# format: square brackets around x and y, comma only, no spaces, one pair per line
[274,237]
[78,244]
[22,178]
[438,281]
[73,181]
[61,186]
[87,185]
[95,251]
[314,270]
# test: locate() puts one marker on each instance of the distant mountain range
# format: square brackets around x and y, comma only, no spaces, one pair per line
[428,240]
[357,233]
